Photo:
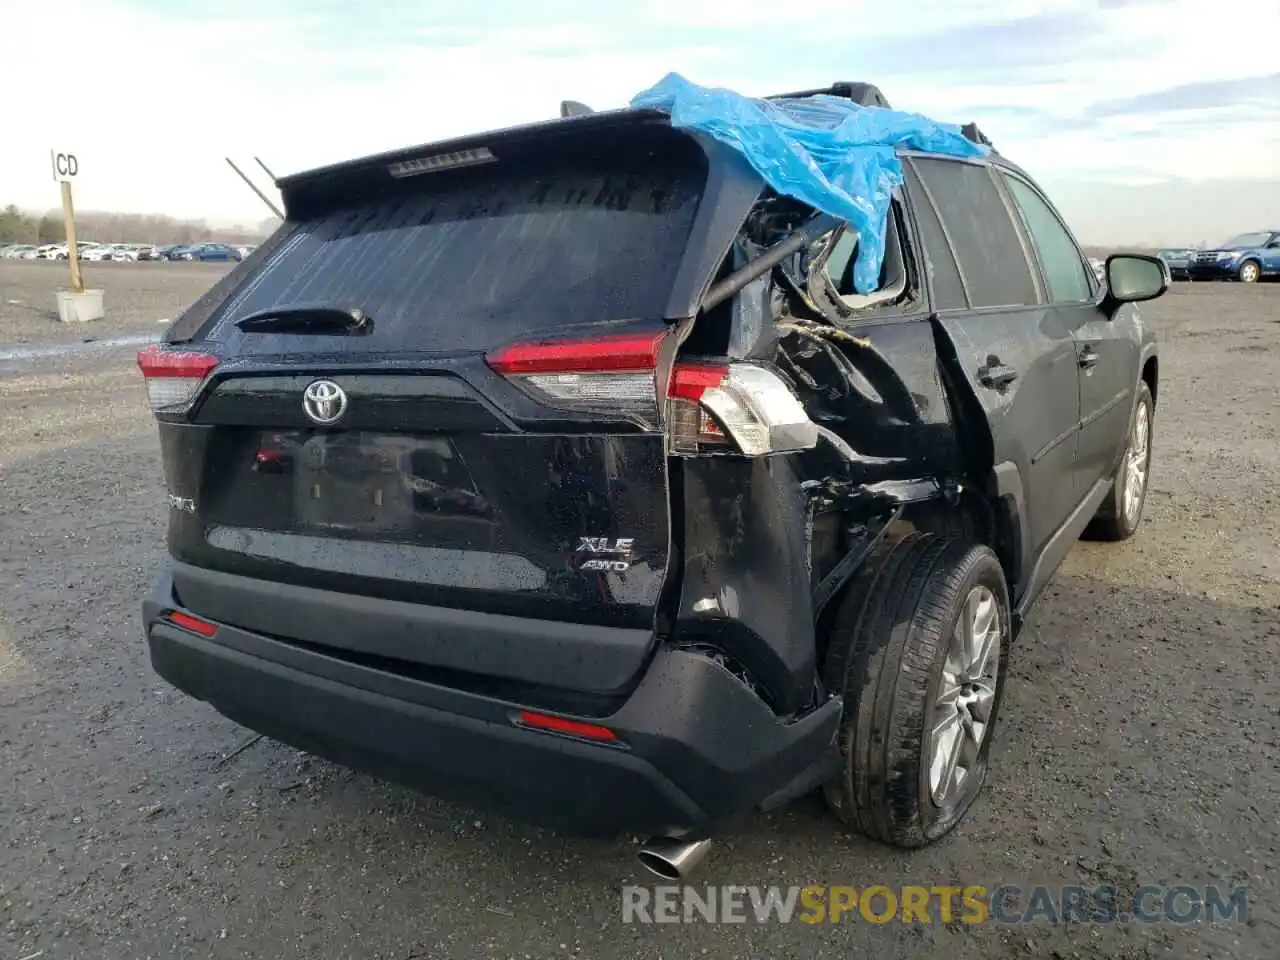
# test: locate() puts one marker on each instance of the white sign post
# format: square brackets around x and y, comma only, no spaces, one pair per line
[79,304]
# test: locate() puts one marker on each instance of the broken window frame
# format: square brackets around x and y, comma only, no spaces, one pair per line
[897,292]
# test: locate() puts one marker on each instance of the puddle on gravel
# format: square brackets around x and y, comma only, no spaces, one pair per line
[12,353]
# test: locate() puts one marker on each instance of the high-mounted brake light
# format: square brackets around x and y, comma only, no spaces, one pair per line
[614,371]
[440,161]
[173,377]
[747,404]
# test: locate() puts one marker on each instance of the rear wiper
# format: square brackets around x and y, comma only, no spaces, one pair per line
[322,318]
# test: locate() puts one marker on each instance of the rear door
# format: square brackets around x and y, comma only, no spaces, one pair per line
[1012,349]
[484,437]
[1107,347]
[1271,256]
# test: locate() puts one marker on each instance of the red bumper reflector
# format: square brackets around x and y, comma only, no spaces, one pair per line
[572,728]
[187,622]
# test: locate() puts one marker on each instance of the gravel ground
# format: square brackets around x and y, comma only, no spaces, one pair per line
[136,296]
[1138,742]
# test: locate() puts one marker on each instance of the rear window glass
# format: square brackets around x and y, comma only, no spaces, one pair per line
[992,261]
[468,262]
[948,291]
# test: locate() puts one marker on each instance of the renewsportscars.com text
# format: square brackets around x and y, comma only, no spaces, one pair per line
[1007,903]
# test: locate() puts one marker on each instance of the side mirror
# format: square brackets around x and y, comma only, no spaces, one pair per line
[1133,278]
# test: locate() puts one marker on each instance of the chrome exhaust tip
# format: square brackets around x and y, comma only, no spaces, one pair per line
[671,858]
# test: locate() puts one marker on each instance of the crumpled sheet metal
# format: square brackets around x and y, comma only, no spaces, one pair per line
[828,152]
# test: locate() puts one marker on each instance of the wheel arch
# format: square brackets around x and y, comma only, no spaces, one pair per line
[1251,258]
[1151,374]
[994,515]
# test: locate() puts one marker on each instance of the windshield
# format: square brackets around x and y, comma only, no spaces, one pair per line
[1249,240]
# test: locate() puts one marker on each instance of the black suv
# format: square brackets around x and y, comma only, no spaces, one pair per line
[562,471]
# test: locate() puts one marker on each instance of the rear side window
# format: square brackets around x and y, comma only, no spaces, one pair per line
[993,264]
[467,263]
[1060,258]
[948,291]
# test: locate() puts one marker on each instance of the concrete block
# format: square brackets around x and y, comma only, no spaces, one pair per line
[80,307]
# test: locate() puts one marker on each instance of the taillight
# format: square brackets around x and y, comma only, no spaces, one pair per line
[614,372]
[173,377]
[735,406]
[749,405]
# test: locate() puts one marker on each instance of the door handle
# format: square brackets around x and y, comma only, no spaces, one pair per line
[996,375]
[1088,358]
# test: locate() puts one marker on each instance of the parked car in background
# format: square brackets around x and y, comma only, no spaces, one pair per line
[164,251]
[1178,260]
[20,251]
[1247,257]
[124,252]
[246,249]
[207,252]
[93,252]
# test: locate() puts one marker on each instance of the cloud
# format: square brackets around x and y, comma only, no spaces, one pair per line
[1068,88]
[1261,92]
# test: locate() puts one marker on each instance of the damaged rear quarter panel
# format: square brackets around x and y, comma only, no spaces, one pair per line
[750,565]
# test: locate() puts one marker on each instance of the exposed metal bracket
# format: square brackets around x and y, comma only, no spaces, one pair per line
[850,563]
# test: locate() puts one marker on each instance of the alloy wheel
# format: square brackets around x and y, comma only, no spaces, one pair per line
[961,714]
[1137,461]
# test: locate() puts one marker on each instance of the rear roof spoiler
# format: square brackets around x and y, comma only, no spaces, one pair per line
[301,191]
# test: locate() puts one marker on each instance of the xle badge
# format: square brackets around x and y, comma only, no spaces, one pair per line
[619,548]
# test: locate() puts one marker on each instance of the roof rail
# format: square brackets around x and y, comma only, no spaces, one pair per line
[863,94]
[971,132]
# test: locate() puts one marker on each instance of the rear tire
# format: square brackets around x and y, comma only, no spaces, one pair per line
[1121,512]
[913,740]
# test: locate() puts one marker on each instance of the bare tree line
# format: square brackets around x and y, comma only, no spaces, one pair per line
[20,226]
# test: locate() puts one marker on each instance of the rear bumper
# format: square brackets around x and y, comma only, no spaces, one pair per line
[696,750]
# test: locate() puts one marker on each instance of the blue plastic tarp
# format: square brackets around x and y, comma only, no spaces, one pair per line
[826,151]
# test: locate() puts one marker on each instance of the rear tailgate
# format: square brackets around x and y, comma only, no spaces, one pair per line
[509,499]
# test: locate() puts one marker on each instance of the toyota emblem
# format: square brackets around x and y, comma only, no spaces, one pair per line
[324,401]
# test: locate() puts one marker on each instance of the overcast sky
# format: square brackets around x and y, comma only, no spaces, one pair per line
[1148,120]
